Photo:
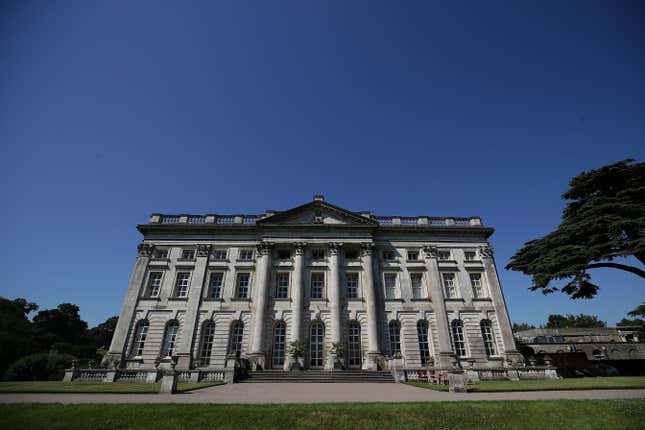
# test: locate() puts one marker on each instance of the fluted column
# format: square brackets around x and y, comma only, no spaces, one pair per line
[513,357]
[119,340]
[186,340]
[298,291]
[373,350]
[262,277]
[446,355]
[334,297]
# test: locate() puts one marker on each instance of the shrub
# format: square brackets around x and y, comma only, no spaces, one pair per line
[39,367]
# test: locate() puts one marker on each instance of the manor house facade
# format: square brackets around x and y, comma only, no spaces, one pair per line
[423,290]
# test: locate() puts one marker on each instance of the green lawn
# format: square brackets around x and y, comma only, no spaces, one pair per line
[94,387]
[548,415]
[598,383]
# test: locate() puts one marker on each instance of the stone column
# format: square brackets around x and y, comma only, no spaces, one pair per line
[256,353]
[371,298]
[297,296]
[446,355]
[513,357]
[118,346]
[185,349]
[334,298]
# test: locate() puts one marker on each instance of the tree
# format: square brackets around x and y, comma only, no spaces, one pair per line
[570,321]
[522,326]
[604,220]
[638,312]
[27,307]
[101,335]
[16,333]
[63,324]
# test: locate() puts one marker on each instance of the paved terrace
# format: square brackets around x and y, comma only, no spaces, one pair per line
[315,393]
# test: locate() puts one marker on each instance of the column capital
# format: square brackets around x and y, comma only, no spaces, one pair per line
[486,251]
[145,249]
[430,251]
[264,248]
[367,248]
[334,247]
[203,250]
[299,247]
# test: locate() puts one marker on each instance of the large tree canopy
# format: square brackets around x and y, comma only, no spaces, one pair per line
[604,219]
[574,321]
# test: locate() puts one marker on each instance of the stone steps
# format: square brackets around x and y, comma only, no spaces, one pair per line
[264,376]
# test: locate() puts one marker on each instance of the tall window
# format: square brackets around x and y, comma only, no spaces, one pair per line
[458,341]
[140,335]
[282,287]
[215,284]
[170,339]
[208,336]
[390,285]
[237,333]
[279,336]
[487,335]
[395,337]
[449,285]
[154,284]
[182,284]
[316,342]
[243,285]
[424,348]
[354,344]
[317,285]
[476,283]
[351,284]
[417,285]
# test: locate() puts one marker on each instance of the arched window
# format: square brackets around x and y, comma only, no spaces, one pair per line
[208,335]
[237,333]
[394,328]
[316,342]
[279,337]
[487,335]
[170,339]
[140,335]
[424,348]
[458,341]
[354,344]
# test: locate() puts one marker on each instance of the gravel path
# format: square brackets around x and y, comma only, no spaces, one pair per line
[314,393]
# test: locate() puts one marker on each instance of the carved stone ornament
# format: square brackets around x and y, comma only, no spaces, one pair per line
[486,251]
[264,248]
[334,248]
[300,248]
[367,249]
[430,251]
[203,250]
[145,249]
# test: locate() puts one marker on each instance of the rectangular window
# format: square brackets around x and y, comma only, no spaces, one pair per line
[243,285]
[390,286]
[449,285]
[161,253]
[219,254]
[388,256]
[188,254]
[215,284]
[444,255]
[182,285]
[282,286]
[246,254]
[417,286]
[284,254]
[154,284]
[318,254]
[317,285]
[476,283]
[413,255]
[351,284]
[470,255]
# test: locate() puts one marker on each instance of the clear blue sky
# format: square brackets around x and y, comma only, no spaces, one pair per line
[112,110]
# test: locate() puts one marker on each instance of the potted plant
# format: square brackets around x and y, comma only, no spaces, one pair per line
[296,351]
[337,351]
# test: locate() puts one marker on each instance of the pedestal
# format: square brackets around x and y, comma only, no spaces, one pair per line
[372,361]
[514,359]
[184,361]
[456,382]
[256,360]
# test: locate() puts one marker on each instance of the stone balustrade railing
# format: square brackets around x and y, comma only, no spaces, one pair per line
[146,375]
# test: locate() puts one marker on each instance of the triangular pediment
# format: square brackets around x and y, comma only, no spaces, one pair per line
[318,213]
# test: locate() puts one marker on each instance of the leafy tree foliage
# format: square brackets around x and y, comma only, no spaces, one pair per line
[638,312]
[571,321]
[522,326]
[101,335]
[39,367]
[15,333]
[604,220]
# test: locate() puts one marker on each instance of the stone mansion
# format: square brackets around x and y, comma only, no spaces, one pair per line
[422,290]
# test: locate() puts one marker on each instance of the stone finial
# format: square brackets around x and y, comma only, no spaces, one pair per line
[367,249]
[299,247]
[430,251]
[334,247]
[203,250]
[145,249]
[264,248]
[486,251]
[319,198]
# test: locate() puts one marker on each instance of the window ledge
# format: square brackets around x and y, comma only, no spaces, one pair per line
[355,299]
[152,299]
[162,260]
[218,260]
[192,260]
[495,358]
[136,358]
[178,299]
[394,300]
[421,299]
[482,299]
[454,299]
[213,299]
[240,299]
[282,299]
[323,300]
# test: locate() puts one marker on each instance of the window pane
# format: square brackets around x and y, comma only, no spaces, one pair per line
[458,341]
[282,287]
[424,349]
[154,284]
[316,342]
[417,286]
[170,339]
[279,335]
[140,336]
[351,284]
[354,344]
[208,336]
[487,335]
[317,285]
[449,285]
[237,334]
[395,337]
[216,283]
[183,283]
[390,285]
[243,286]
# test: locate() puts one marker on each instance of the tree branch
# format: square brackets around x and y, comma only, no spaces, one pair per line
[631,269]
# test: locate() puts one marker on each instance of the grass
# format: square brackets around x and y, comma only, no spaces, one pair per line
[95,387]
[541,414]
[598,383]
